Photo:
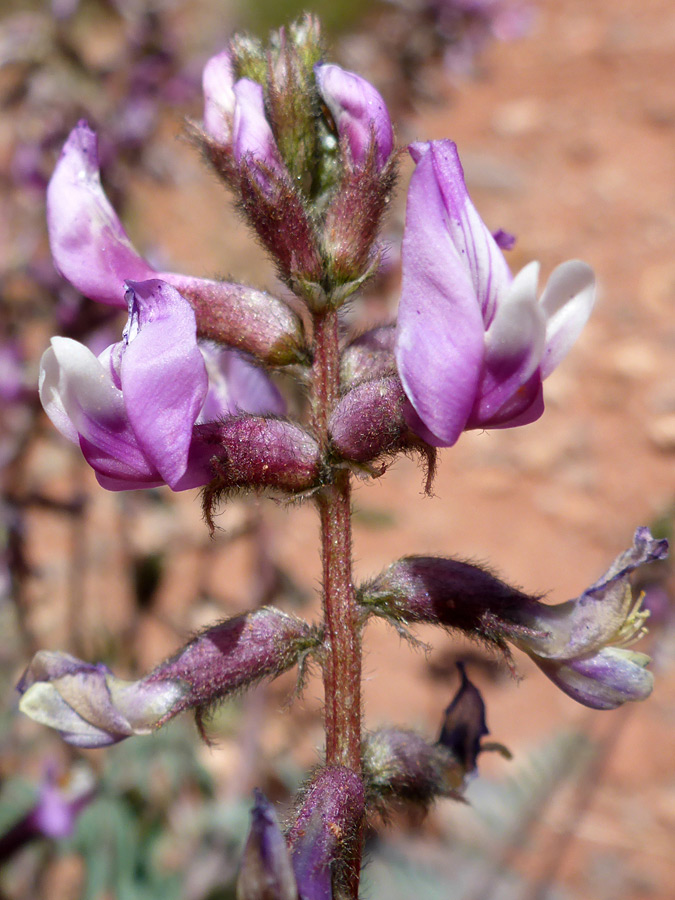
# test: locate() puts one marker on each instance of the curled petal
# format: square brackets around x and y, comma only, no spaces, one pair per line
[88,243]
[567,303]
[606,680]
[514,343]
[359,112]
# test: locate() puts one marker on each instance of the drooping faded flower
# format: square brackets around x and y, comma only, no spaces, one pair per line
[133,409]
[474,343]
[581,645]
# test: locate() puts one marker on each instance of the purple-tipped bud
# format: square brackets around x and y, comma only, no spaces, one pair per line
[266,872]
[93,708]
[360,114]
[369,356]
[402,765]
[219,97]
[353,218]
[253,139]
[581,645]
[241,316]
[326,833]
[369,421]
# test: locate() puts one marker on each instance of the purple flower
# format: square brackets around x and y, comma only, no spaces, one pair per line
[359,112]
[55,812]
[473,343]
[133,409]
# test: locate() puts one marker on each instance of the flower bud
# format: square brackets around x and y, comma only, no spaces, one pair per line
[260,452]
[369,421]
[580,644]
[360,115]
[266,872]
[369,356]
[91,707]
[401,765]
[326,833]
[242,317]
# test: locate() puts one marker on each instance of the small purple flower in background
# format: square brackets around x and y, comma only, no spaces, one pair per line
[134,407]
[473,343]
[360,114]
[54,815]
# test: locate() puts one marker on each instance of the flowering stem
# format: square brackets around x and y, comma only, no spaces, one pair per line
[342,664]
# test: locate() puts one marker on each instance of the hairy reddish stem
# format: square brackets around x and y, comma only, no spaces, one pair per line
[342,664]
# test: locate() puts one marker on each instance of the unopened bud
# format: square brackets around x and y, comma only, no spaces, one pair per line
[219,100]
[91,707]
[369,356]
[266,872]
[368,422]
[242,317]
[326,832]
[260,452]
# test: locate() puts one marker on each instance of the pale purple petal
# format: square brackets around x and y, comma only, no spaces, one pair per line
[236,385]
[514,343]
[474,244]
[567,303]
[252,135]
[163,375]
[440,334]
[359,112]
[602,681]
[76,388]
[219,100]
[90,247]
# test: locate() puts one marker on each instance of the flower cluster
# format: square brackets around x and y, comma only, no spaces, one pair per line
[187,398]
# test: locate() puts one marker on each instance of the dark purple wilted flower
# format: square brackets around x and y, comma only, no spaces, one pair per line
[133,408]
[360,114]
[473,343]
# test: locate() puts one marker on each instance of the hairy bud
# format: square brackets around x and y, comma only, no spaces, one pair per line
[260,452]
[250,320]
[369,422]
[369,356]
[91,707]
[326,832]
